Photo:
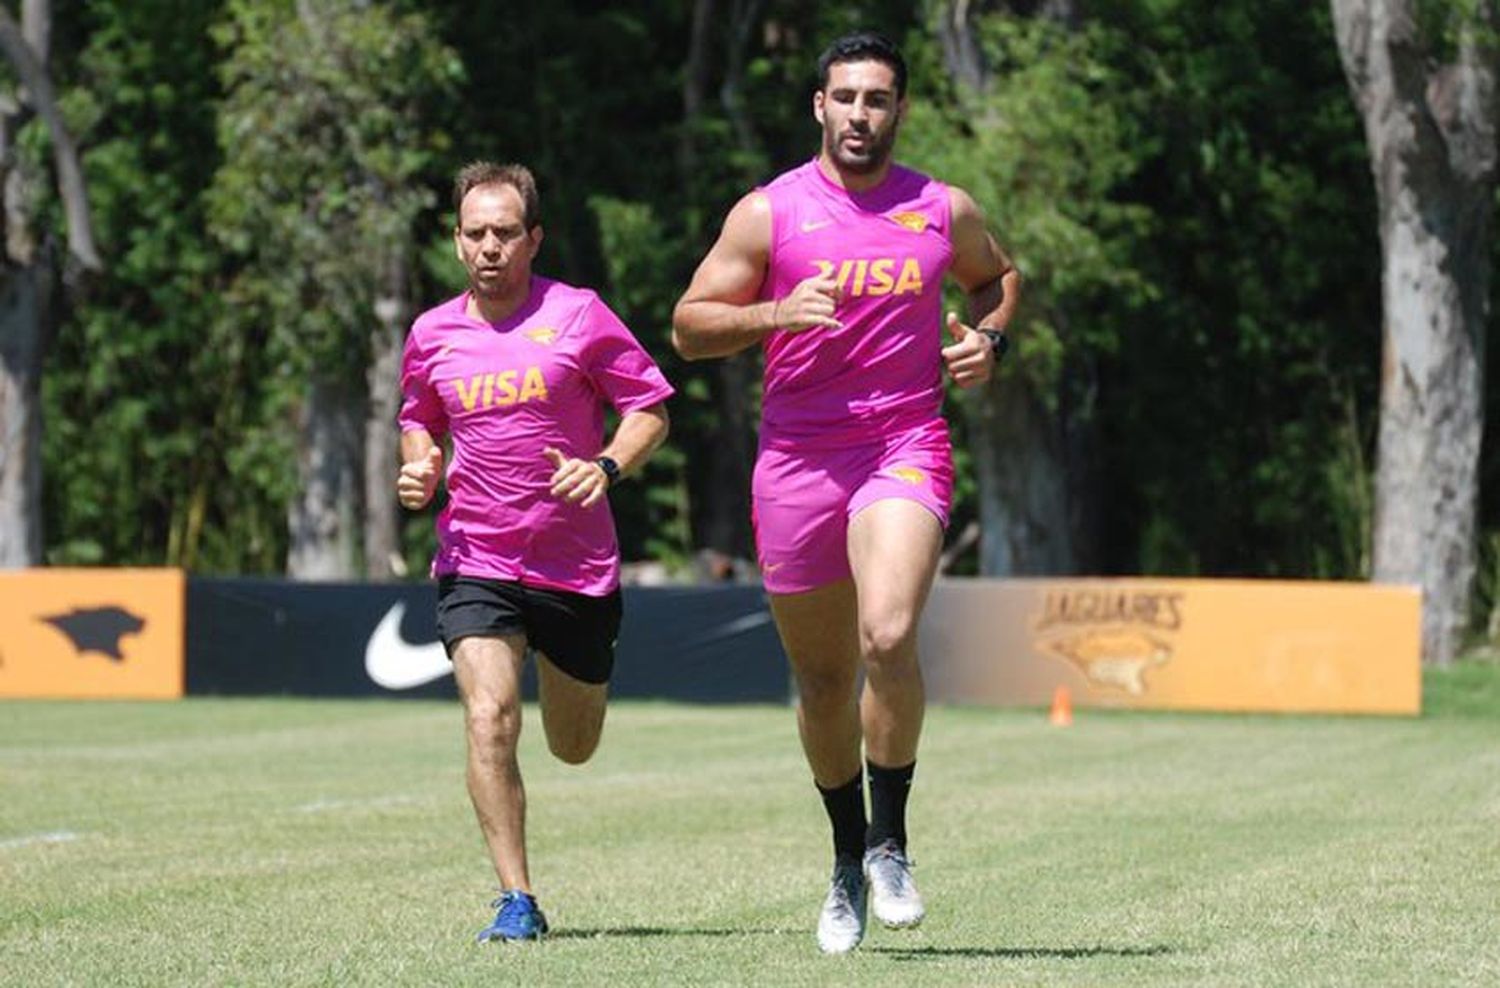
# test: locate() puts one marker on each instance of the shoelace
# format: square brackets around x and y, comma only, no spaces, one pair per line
[509,902]
[897,880]
[896,854]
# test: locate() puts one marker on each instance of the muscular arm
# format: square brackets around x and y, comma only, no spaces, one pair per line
[981,267]
[993,287]
[719,313]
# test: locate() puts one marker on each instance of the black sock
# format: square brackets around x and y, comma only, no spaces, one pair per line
[846,811]
[888,790]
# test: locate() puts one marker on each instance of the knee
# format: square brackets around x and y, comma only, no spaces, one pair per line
[888,644]
[493,725]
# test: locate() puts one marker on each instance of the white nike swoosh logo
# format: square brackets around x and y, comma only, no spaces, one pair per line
[395,663]
[808,226]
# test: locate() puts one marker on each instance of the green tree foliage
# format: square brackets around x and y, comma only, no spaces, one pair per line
[328,155]
[1044,151]
[134,399]
[1243,423]
[1184,183]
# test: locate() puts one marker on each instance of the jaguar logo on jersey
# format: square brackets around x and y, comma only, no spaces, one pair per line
[496,389]
[1113,637]
[915,222]
[877,276]
[542,334]
[911,475]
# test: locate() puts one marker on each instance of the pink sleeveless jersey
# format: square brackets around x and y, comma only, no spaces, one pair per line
[505,392]
[889,249]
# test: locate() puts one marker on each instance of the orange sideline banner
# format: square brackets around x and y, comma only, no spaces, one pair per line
[91,633]
[1231,645]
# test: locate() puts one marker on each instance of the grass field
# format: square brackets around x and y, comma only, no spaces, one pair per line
[292,842]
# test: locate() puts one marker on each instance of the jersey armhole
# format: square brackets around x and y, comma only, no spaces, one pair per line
[766,283]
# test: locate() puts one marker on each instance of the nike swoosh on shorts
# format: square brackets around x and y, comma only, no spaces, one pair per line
[395,663]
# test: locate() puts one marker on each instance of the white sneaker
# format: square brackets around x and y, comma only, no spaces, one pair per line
[841,924]
[896,902]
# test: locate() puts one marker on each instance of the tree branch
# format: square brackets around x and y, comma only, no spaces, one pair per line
[24,59]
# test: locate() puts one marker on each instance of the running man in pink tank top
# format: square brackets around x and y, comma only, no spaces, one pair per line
[835,269]
[516,372]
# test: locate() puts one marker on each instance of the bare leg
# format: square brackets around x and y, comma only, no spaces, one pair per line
[893,549]
[488,671]
[818,631]
[572,712]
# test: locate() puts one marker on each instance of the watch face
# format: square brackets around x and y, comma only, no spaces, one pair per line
[999,342]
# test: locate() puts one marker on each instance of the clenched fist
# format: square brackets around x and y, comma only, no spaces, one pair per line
[418,479]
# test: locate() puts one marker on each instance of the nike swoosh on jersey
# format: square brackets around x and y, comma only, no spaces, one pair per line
[808,226]
[397,664]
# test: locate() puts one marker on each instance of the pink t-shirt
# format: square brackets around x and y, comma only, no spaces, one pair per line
[889,249]
[507,391]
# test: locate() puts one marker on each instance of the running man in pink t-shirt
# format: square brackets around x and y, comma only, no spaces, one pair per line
[835,268]
[517,371]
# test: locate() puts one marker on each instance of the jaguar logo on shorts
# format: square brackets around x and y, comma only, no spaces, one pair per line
[542,334]
[911,475]
[915,222]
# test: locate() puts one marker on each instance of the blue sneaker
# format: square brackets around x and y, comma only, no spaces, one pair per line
[516,918]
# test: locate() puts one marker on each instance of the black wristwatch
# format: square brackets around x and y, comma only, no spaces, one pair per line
[611,469]
[999,342]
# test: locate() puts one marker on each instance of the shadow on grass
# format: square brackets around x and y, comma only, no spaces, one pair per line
[601,932]
[1018,953]
[894,953]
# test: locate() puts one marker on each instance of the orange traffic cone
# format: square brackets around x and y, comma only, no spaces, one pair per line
[1062,708]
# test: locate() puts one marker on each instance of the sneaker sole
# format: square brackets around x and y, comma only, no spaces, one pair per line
[500,938]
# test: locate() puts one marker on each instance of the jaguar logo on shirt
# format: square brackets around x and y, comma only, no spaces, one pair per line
[495,389]
[542,334]
[878,276]
[915,222]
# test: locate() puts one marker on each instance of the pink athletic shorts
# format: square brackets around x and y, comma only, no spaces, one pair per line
[802,499]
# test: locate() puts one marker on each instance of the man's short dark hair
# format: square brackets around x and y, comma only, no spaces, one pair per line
[863,46]
[518,177]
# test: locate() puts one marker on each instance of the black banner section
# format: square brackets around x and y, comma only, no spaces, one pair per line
[256,637]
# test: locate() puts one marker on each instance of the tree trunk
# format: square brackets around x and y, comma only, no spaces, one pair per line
[26,279]
[21,347]
[382,460]
[722,520]
[1037,511]
[1431,132]
[1038,491]
[322,521]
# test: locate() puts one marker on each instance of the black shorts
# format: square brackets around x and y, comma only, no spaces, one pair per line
[575,631]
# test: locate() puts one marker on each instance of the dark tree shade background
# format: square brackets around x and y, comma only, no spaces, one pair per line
[1184,183]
